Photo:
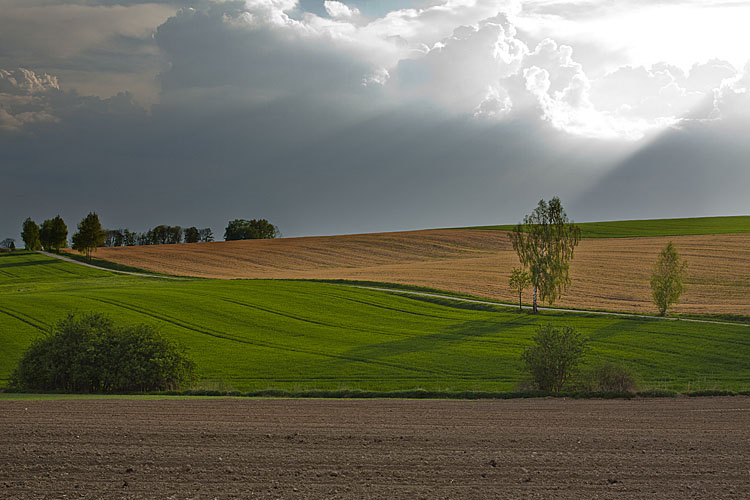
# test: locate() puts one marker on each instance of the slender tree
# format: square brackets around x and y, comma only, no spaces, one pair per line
[89,236]
[545,242]
[30,235]
[667,277]
[518,282]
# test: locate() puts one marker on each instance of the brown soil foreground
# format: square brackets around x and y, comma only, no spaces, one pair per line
[610,274]
[385,449]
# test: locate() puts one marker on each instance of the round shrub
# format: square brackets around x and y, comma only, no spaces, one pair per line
[91,354]
[610,377]
[554,356]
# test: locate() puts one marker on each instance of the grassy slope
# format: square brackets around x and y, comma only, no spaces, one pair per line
[656,227]
[300,335]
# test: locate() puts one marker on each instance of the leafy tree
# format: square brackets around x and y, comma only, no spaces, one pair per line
[53,234]
[518,282]
[93,354]
[174,235]
[115,238]
[192,235]
[206,235]
[241,229]
[545,242]
[554,357]
[666,279]
[89,236]
[30,235]
[130,239]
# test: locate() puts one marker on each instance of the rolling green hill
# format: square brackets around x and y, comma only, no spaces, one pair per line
[259,334]
[655,227]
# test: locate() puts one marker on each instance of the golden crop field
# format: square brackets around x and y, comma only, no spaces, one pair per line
[610,274]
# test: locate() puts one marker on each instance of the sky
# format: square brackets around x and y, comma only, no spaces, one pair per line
[334,117]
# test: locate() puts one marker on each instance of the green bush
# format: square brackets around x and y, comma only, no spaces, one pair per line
[609,377]
[554,357]
[91,354]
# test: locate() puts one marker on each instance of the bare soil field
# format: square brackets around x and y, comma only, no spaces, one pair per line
[376,449]
[610,274]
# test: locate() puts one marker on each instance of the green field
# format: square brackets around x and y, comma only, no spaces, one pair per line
[655,227]
[258,334]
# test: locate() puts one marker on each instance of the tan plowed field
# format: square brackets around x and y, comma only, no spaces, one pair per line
[610,274]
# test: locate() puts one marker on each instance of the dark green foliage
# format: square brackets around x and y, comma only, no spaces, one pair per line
[241,229]
[192,235]
[162,235]
[89,235]
[545,243]
[610,377]
[553,358]
[91,354]
[53,234]
[30,235]
[206,234]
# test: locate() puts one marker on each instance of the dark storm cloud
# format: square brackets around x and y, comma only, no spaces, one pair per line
[308,126]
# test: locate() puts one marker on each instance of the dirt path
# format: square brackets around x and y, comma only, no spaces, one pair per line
[542,308]
[130,273]
[384,449]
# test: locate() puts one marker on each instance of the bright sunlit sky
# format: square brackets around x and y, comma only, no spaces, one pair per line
[336,117]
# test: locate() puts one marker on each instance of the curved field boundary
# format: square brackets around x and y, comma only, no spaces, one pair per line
[130,273]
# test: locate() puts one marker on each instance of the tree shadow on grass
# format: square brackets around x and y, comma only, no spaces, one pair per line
[26,263]
[451,336]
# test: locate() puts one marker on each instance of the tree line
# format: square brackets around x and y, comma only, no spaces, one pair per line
[52,235]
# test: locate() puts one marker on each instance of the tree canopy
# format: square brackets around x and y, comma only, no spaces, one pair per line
[89,236]
[667,277]
[545,242]
[30,235]
[53,234]
[241,229]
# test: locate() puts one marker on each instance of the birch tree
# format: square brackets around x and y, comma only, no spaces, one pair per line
[545,243]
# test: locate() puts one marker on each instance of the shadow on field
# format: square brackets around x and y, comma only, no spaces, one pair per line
[467,331]
[38,262]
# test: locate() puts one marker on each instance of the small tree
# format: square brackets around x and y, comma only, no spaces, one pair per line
[545,243]
[192,235]
[89,236]
[206,235]
[554,357]
[666,279]
[518,282]
[30,235]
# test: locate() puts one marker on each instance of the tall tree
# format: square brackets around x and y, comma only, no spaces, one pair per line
[545,242]
[53,234]
[667,277]
[30,235]
[89,236]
